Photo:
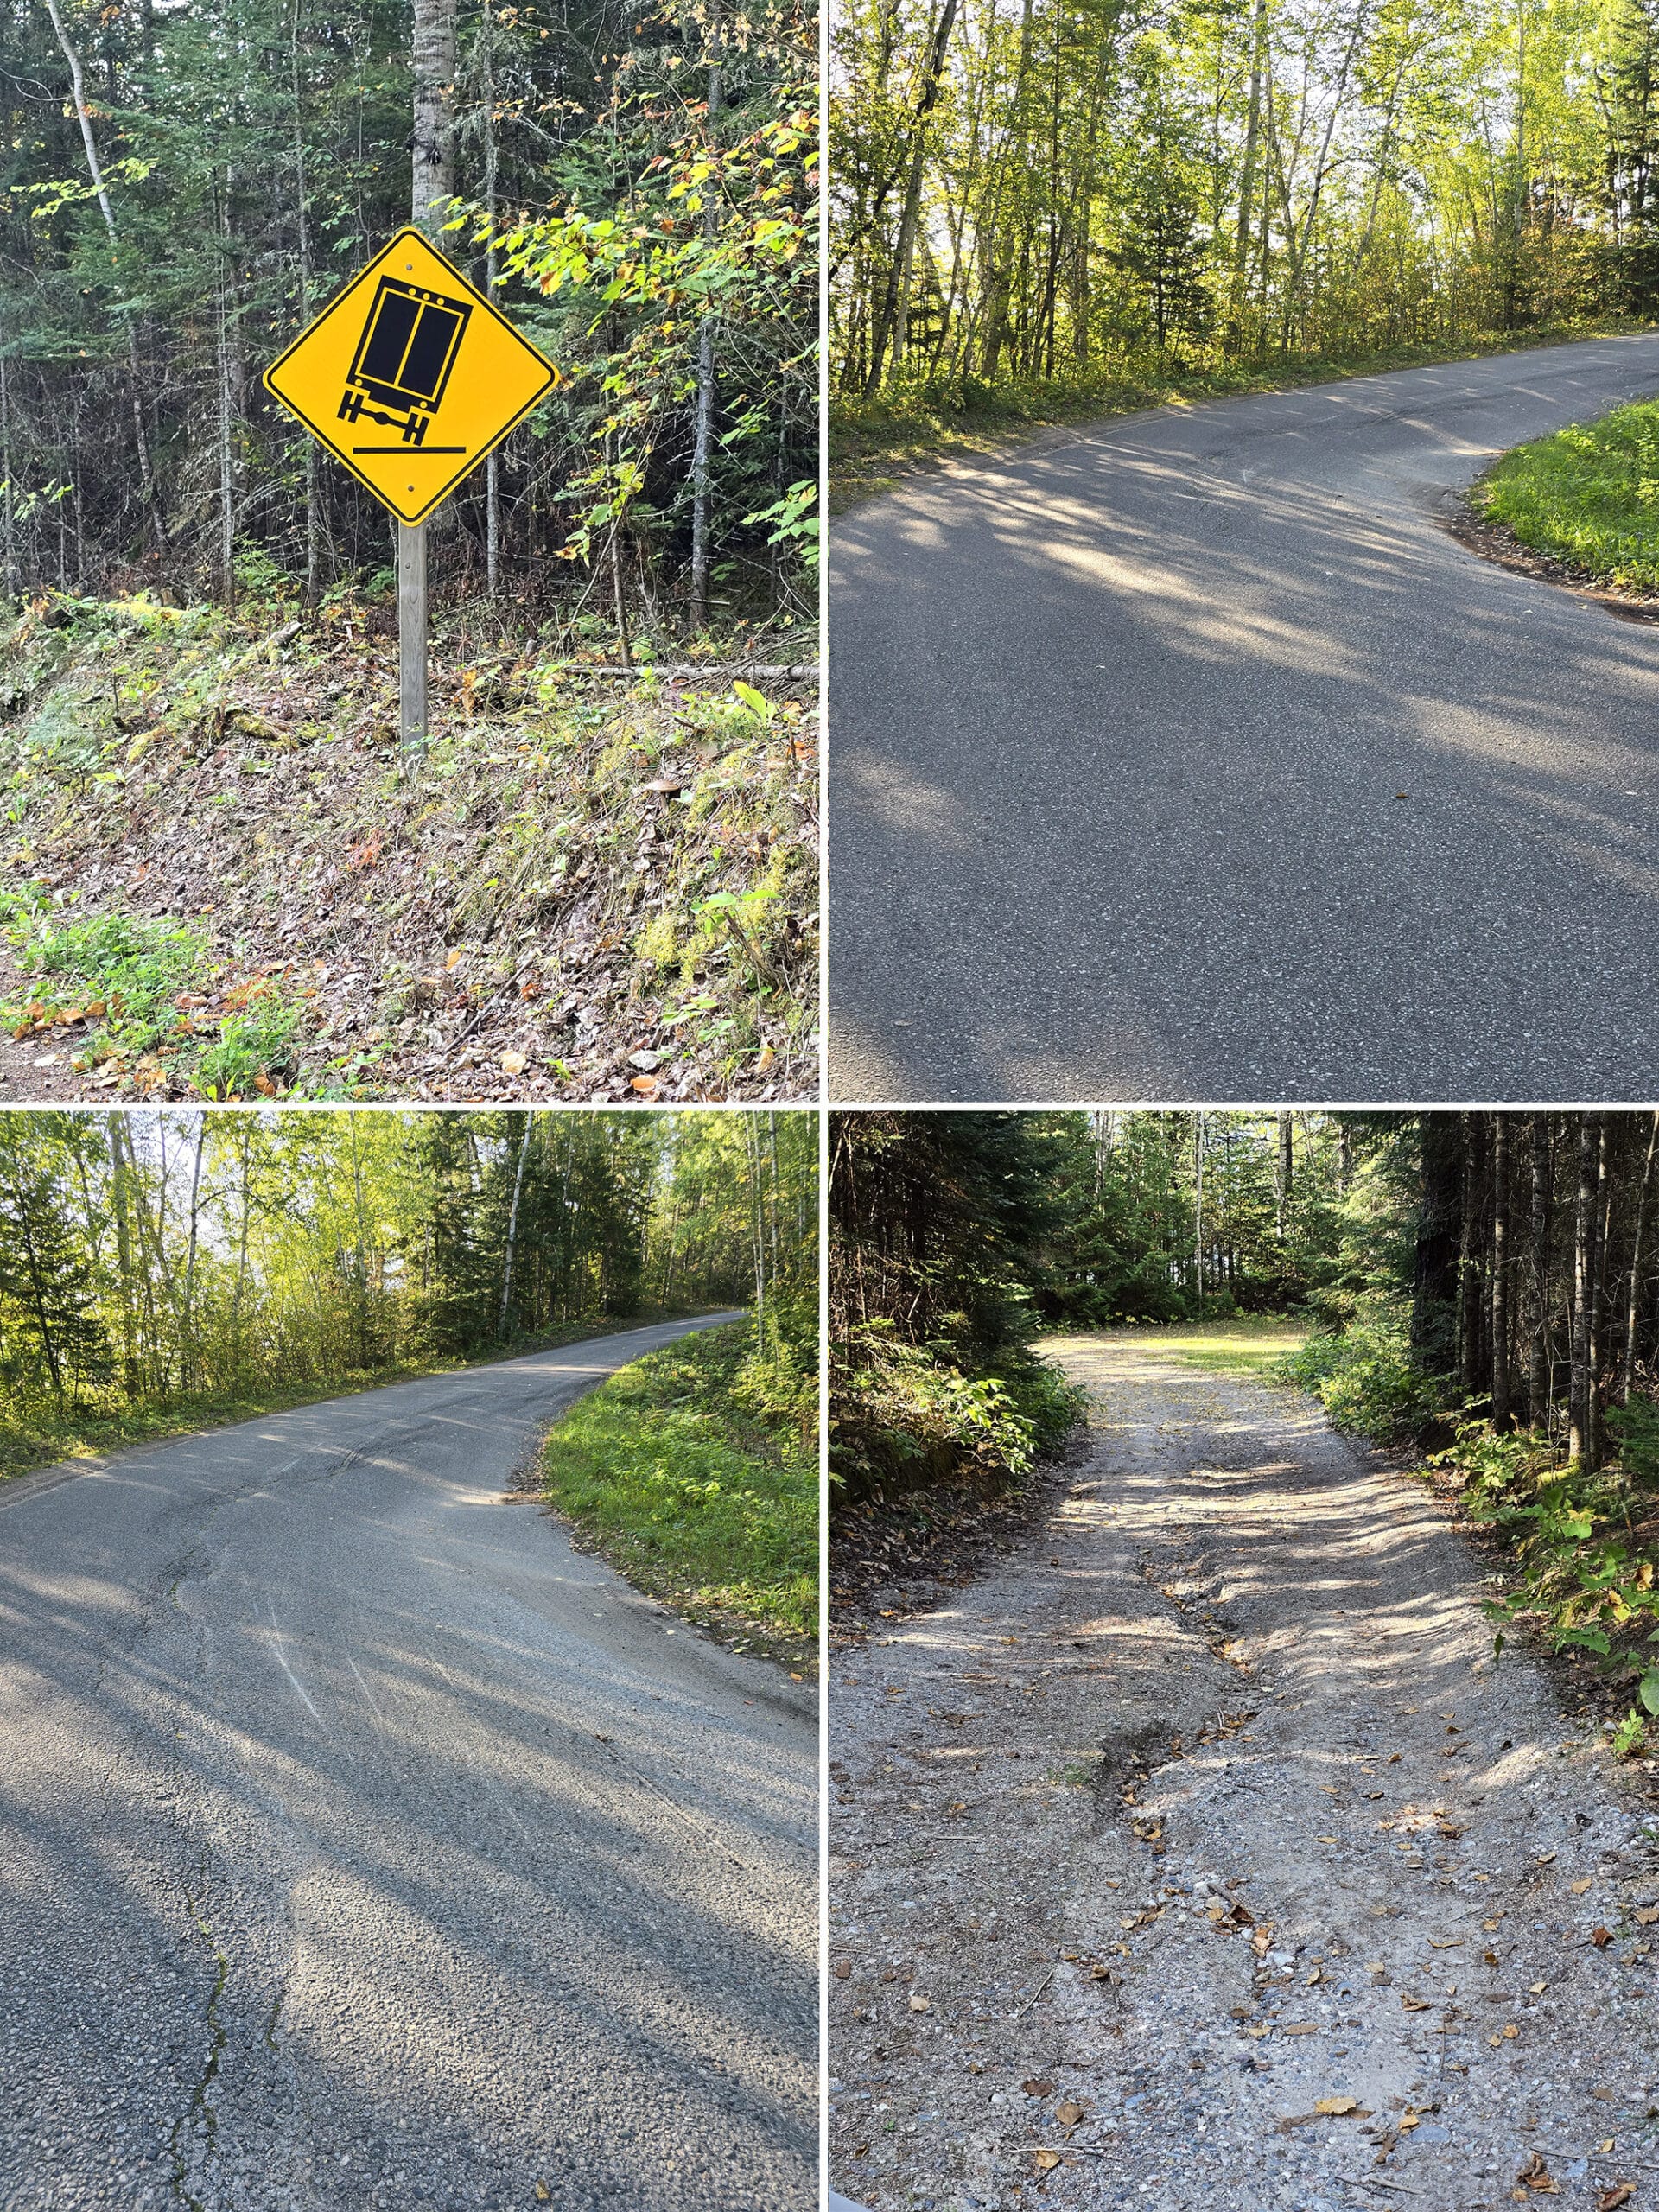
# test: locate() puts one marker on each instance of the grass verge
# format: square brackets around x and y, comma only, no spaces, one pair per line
[1252,1345]
[875,444]
[43,1436]
[223,880]
[1588,495]
[679,1473]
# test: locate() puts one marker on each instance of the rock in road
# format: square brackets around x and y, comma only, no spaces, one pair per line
[364,1844]
[1187,756]
[1200,1854]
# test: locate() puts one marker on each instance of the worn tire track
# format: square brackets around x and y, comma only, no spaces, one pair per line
[1209,1803]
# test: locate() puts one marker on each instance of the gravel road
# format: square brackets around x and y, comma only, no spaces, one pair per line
[1209,1805]
[363,1844]
[1186,756]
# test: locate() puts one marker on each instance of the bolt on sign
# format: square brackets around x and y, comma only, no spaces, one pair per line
[409,376]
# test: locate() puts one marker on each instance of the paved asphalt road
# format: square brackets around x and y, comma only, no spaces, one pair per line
[362,1844]
[1118,724]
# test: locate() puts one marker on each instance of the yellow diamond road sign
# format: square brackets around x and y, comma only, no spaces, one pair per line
[409,376]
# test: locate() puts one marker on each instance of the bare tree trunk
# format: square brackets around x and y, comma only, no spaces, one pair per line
[188,1371]
[1600,1226]
[78,82]
[704,430]
[8,511]
[1538,1394]
[1246,174]
[899,272]
[1500,1285]
[1579,1414]
[1632,1311]
[1198,1205]
[226,469]
[313,474]
[512,1228]
[491,466]
[1287,1168]
[433,55]
[130,1369]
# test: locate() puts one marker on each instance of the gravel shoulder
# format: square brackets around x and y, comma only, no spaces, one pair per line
[1209,1806]
[364,1845]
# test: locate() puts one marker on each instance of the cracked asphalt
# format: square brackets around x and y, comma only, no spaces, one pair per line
[1187,756]
[364,1844]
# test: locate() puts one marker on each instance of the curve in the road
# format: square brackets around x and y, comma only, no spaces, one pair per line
[1188,756]
[362,1843]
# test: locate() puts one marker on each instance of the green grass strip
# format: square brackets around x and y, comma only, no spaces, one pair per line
[678,1471]
[1588,494]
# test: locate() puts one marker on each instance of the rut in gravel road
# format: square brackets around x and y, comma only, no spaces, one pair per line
[1208,1806]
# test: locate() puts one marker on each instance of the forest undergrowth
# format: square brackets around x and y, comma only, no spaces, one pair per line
[695,1472]
[223,880]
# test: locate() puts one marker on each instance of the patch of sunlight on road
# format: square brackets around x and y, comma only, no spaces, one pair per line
[1247,1345]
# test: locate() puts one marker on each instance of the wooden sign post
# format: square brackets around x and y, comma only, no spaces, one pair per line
[411,634]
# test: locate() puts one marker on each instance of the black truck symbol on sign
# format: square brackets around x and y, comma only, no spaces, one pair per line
[403,361]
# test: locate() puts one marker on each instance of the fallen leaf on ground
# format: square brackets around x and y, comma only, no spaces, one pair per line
[1578,1888]
[1646,1914]
[1038,2088]
[1047,2160]
[919,2004]
[841,1969]
[1336,2108]
[1610,2199]
[1069,2115]
[543,2194]
[1536,2175]
[513,1063]
[1415,2004]
[1601,1937]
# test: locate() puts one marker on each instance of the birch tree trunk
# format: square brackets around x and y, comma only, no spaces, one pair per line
[512,1231]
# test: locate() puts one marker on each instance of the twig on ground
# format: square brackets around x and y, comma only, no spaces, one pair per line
[1035,1994]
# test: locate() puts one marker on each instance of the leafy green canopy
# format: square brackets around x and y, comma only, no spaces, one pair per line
[253,155]
[156,1259]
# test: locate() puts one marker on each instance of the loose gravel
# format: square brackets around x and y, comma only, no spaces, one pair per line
[1201,1854]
